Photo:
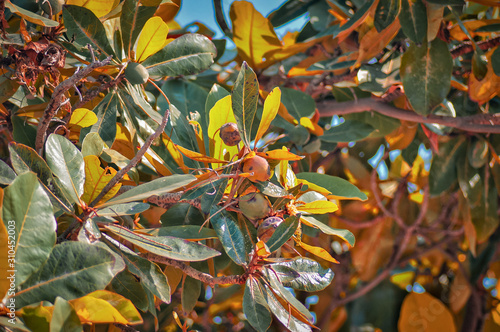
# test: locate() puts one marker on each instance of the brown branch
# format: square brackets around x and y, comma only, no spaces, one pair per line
[95,92]
[193,273]
[467,47]
[58,99]
[219,17]
[479,123]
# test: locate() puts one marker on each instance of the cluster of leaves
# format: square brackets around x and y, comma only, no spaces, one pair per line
[126,195]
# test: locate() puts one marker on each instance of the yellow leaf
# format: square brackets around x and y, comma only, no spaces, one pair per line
[286,175]
[198,156]
[423,312]
[317,251]
[105,307]
[314,187]
[313,127]
[280,155]
[123,142]
[318,207]
[271,107]
[253,34]
[403,279]
[153,38]
[220,114]
[96,178]
[373,42]
[82,117]
[262,250]
[98,7]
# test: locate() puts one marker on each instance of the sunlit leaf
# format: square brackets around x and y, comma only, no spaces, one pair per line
[152,38]
[339,188]
[280,155]
[82,117]
[318,207]
[198,156]
[30,16]
[98,7]
[64,317]
[318,251]
[96,178]
[271,107]
[132,19]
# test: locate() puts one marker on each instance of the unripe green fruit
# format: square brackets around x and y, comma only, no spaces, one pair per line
[312,146]
[230,134]
[299,135]
[254,206]
[259,167]
[136,73]
[56,6]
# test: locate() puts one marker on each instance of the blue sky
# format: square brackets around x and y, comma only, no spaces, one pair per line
[203,11]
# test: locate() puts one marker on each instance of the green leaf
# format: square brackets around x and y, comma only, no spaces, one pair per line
[271,189]
[443,172]
[106,112]
[64,317]
[72,270]
[348,131]
[303,274]
[66,162]
[191,290]
[156,187]
[7,175]
[283,314]
[187,232]
[25,159]
[23,132]
[426,73]
[298,103]
[277,286]
[123,209]
[150,275]
[413,19]
[283,233]
[186,55]
[129,287]
[30,16]
[448,2]
[386,13]
[342,233]
[229,234]
[245,97]
[359,14]
[82,24]
[27,210]
[495,61]
[337,186]
[132,20]
[166,246]
[255,306]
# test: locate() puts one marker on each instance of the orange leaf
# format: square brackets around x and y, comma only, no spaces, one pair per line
[262,250]
[279,155]
[312,126]
[343,34]
[402,136]
[271,107]
[96,178]
[198,156]
[373,42]
[484,90]
[318,251]
[167,11]
[318,207]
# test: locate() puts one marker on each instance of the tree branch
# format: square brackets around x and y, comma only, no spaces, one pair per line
[219,17]
[58,99]
[480,123]
[193,273]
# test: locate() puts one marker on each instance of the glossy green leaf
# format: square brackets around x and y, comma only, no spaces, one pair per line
[386,13]
[255,306]
[7,175]
[283,233]
[426,74]
[337,186]
[191,289]
[342,233]
[298,103]
[72,270]
[229,234]
[132,20]
[25,159]
[244,100]
[348,131]
[187,232]
[64,317]
[123,209]
[156,187]
[23,131]
[186,55]
[30,16]
[128,286]
[495,61]
[150,275]
[66,162]
[93,145]
[443,172]
[283,314]
[27,210]
[86,28]
[106,112]
[166,246]
[285,294]
[413,19]
[358,15]
[303,274]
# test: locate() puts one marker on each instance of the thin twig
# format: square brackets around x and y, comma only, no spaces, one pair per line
[219,17]
[193,273]
[58,99]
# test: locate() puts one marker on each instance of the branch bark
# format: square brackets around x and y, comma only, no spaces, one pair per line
[479,123]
